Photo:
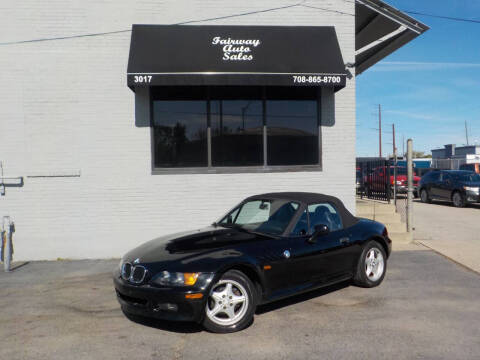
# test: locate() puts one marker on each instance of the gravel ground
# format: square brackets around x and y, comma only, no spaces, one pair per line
[427,308]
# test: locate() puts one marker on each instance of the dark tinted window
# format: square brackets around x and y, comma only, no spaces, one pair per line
[445,176]
[466,176]
[237,132]
[301,228]
[324,214]
[470,167]
[266,216]
[292,132]
[432,176]
[180,133]
[236,116]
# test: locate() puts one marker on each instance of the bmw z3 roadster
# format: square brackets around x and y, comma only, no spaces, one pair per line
[269,247]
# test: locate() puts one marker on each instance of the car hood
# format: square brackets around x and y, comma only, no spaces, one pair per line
[405,178]
[471,183]
[188,245]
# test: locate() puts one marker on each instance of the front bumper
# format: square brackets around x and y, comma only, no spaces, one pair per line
[403,189]
[389,245]
[150,301]
[472,196]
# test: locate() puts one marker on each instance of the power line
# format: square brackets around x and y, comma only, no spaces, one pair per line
[242,14]
[327,10]
[432,15]
[442,17]
[301,3]
[128,30]
[64,37]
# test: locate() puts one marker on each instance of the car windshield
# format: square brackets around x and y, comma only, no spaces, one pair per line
[264,216]
[467,177]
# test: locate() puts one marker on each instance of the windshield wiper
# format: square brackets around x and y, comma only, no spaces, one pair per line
[240,228]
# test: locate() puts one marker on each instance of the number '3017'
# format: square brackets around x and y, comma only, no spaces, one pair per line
[142,78]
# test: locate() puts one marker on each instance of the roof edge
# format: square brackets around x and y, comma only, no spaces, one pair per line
[395,14]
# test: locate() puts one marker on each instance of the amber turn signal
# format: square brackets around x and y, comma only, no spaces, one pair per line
[267,267]
[190,278]
[194,296]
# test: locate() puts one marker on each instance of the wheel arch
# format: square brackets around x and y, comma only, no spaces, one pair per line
[381,241]
[457,190]
[252,273]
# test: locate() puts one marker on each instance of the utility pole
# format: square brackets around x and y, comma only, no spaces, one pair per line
[394,167]
[466,132]
[410,186]
[403,145]
[379,130]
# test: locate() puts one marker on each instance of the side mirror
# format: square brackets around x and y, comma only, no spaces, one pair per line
[320,230]
[229,219]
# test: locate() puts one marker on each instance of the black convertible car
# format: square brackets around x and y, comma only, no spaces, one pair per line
[268,247]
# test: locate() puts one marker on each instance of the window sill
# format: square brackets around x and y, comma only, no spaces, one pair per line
[235,169]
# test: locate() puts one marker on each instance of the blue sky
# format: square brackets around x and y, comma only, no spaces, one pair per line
[429,87]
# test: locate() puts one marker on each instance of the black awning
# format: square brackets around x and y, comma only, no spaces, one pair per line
[380,30]
[235,55]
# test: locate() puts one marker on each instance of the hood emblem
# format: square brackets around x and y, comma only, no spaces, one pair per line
[136,261]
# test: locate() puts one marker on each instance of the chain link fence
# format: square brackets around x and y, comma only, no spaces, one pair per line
[401,206]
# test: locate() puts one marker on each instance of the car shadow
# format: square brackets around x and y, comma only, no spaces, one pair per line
[191,327]
[173,326]
[262,309]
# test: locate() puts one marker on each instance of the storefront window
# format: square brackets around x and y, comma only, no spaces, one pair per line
[219,127]
[180,133]
[292,129]
[237,132]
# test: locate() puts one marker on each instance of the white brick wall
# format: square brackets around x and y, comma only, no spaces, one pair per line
[65,109]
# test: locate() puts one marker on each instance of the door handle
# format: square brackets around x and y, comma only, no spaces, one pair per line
[344,240]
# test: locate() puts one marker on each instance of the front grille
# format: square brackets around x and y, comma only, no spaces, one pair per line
[134,274]
[138,274]
[126,271]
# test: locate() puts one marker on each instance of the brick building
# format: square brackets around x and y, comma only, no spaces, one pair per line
[91,168]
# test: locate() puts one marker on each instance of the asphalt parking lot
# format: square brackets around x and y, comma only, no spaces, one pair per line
[426,308]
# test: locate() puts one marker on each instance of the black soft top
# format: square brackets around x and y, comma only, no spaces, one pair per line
[311,198]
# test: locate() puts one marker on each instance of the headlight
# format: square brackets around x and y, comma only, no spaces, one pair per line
[399,182]
[472,189]
[166,278]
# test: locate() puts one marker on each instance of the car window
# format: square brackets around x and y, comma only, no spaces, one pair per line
[467,177]
[301,228]
[266,216]
[253,212]
[434,176]
[446,176]
[324,214]
[467,167]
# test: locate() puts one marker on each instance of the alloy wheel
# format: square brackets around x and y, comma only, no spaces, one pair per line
[227,303]
[457,199]
[374,264]
[424,196]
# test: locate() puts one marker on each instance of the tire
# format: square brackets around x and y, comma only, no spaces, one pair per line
[458,199]
[368,275]
[425,197]
[231,287]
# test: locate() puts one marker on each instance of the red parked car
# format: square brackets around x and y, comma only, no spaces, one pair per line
[376,180]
